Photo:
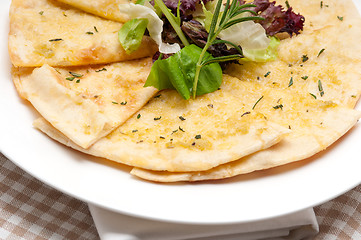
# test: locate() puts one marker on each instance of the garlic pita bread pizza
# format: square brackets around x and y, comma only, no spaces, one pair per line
[108,9]
[174,134]
[48,32]
[203,124]
[319,62]
[86,103]
[314,126]
[320,14]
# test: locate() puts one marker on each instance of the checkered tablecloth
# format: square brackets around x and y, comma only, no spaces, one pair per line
[29,209]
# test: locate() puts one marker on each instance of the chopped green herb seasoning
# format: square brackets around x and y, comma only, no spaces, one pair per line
[268,73]
[138,116]
[278,106]
[182,118]
[100,70]
[287,5]
[340,18]
[157,118]
[70,78]
[353,96]
[115,103]
[95,28]
[257,102]
[161,137]
[320,88]
[313,95]
[245,113]
[89,33]
[41,12]
[304,77]
[320,52]
[76,74]
[78,81]
[181,129]
[210,105]
[134,130]
[124,103]
[198,136]
[291,82]
[56,40]
[304,58]
[322,5]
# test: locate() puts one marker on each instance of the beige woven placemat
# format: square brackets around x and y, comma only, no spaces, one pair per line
[29,209]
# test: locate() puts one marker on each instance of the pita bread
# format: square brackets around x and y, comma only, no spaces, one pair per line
[47,32]
[108,9]
[90,106]
[174,134]
[320,14]
[319,54]
[314,126]
[271,114]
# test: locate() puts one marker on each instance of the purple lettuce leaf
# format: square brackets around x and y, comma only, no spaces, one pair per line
[198,35]
[186,7]
[276,19]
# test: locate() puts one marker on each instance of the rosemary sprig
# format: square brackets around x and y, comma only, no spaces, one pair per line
[229,17]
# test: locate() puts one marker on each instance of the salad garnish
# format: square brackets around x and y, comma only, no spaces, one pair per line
[198,38]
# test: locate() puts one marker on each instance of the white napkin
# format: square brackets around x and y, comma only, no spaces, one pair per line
[114,226]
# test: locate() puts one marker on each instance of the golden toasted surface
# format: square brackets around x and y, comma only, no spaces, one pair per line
[48,32]
[326,55]
[314,126]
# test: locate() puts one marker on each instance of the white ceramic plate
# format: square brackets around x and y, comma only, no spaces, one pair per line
[247,198]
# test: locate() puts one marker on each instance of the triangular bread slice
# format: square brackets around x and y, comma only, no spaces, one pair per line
[48,32]
[108,9]
[86,103]
[170,133]
[314,125]
[319,61]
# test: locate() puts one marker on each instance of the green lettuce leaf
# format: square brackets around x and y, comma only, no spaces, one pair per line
[178,71]
[263,55]
[131,34]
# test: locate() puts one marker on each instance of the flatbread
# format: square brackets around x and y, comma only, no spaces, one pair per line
[324,54]
[88,107]
[108,9]
[271,114]
[320,14]
[174,134]
[48,32]
[314,125]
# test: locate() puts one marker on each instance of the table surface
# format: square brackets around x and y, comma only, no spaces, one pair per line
[29,209]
